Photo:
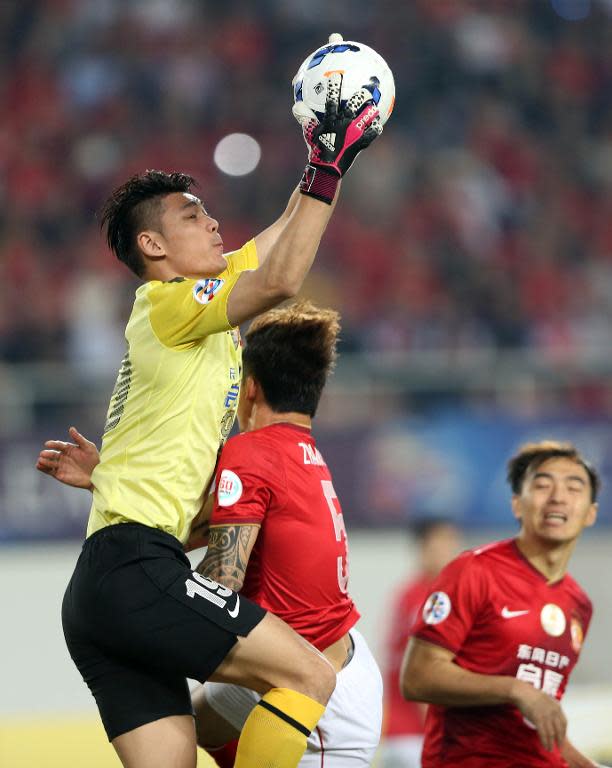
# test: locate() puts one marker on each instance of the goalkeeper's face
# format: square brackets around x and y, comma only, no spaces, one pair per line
[190,237]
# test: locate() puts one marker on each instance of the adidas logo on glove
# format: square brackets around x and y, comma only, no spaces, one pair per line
[328,140]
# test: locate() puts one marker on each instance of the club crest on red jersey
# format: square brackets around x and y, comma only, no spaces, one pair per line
[205,290]
[437,608]
[553,620]
[577,634]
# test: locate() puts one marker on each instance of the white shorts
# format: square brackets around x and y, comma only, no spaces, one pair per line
[348,733]
[400,752]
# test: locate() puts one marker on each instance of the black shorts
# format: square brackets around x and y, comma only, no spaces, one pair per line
[138,621]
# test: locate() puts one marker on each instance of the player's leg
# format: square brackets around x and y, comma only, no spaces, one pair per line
[219,722]
[166,743]
[137,596]
[295,681]
[214,732]
[347,734]
[147,714]
[266,658]
[145,706]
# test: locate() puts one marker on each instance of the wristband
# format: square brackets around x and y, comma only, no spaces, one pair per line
[319,183]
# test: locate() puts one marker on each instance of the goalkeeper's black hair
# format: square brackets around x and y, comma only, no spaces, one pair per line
[532,455]
[136,206]
[289,352]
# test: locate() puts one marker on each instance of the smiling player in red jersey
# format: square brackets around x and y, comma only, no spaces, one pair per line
[503,627]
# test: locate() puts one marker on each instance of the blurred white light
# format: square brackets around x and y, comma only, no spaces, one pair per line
[237,154]
[97,155]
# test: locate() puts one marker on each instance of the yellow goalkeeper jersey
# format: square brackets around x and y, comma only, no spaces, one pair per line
[173,404]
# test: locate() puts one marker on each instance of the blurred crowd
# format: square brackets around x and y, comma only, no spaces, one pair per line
[482,218]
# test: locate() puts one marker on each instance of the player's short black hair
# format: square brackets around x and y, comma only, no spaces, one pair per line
[289,352]
[135,206]
[532,455]
[422,527]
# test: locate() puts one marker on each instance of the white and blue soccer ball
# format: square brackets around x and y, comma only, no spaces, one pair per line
[360,66]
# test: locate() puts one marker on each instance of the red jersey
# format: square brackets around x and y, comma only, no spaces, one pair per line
[499,616]
[403,718]
[275,477]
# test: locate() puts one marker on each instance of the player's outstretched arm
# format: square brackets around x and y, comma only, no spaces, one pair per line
[290,245]
[70,463]
[429,674]
[227,557]
[287,264]
[266,239]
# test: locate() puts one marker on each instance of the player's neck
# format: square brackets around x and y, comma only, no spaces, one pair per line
[550,559]
[264,416]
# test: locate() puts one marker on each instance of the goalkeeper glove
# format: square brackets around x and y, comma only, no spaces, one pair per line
[334,143]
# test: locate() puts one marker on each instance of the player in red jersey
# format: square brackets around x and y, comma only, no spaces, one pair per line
[503,627]
[438,540]
[277,533]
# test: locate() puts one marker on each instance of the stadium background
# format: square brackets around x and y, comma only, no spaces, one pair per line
[470,256]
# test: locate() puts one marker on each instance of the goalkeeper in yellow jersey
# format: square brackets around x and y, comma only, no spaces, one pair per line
[137,620]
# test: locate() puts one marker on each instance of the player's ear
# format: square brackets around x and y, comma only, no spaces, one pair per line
[151,245]
[251,388]
[516,507]
[591,517]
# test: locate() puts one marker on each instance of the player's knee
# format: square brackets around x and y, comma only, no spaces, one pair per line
[318,679]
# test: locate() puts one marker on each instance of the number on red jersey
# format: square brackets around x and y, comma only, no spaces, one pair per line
[340,530]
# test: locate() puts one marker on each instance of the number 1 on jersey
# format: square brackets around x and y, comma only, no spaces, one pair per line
[340,530]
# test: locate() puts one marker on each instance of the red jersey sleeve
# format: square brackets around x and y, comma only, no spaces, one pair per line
[246,479]
[457,596]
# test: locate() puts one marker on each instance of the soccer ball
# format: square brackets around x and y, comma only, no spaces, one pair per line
[360,66]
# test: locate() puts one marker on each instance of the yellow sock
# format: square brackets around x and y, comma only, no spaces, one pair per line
[275,733]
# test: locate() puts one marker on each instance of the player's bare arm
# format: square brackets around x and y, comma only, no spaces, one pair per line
[429,674]
[292,243]
[266,240]
[288,260]
[227,557]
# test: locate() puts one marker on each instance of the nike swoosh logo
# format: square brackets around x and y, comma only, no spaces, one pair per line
[233,613]
[508,614]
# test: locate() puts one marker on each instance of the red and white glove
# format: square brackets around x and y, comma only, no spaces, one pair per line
[334,143]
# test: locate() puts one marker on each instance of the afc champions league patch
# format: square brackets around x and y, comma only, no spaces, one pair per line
[437,608]
[577,634]
[553,620]
[205,290]
[230,488]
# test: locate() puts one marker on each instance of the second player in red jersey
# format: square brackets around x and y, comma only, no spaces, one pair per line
[438,541]
[277,534]
[503,628]
[277,479]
